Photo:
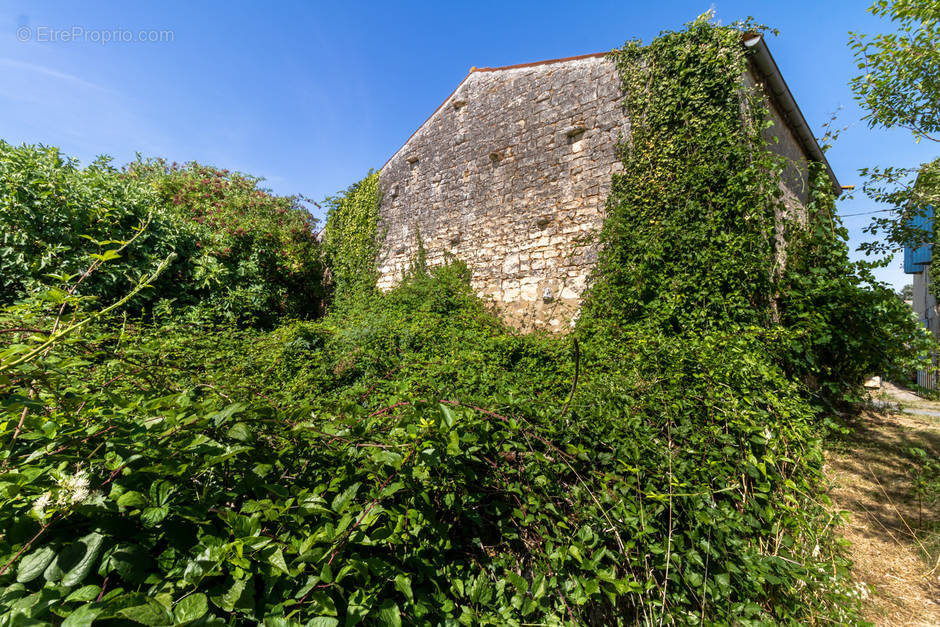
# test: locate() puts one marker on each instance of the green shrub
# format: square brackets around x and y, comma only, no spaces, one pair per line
[242,254]
[54,215]
[413,463]
[253,257]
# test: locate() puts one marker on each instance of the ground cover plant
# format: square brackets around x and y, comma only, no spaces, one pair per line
[405,458]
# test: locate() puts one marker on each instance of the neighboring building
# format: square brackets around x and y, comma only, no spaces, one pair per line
[511,175]
[917,262]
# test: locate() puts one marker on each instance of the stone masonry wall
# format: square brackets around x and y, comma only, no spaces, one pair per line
[511,176]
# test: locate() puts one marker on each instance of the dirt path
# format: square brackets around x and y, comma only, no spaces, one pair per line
[894,537]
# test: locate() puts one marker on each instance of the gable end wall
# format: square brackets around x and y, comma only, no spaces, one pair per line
[502,178]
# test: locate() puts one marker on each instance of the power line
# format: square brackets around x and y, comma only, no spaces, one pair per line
[864,213]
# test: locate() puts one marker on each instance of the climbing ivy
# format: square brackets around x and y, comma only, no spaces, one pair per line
[688,241]
[350,242]
[698,237]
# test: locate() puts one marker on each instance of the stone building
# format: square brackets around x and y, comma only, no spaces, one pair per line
[511,172]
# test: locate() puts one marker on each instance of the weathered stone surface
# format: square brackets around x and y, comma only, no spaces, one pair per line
[511,175]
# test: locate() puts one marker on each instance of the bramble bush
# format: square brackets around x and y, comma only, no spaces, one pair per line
[407,459]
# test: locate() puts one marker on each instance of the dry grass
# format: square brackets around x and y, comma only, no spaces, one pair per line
[892,538]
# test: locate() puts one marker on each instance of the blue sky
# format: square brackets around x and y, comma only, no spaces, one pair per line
[311,96]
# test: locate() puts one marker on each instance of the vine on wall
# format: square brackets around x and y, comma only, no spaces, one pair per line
[688,240]
[350,242]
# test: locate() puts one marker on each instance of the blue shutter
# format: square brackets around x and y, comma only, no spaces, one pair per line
[916,256]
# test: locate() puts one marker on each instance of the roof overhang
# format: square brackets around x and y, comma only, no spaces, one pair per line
[786,104]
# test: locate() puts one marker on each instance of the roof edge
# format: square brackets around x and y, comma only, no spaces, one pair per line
[428,119]
[593,55]
[487,69]
[779,91]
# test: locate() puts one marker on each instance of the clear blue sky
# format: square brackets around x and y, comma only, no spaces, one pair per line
[312,96]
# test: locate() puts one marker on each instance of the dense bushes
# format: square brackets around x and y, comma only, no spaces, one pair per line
[253,257]
[242,254]
[409,462]
[54,215]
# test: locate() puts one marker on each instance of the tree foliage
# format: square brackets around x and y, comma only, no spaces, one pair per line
[900,87]
[242,254]
[900,84]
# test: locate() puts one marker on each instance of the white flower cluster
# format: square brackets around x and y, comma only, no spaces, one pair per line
[72,490]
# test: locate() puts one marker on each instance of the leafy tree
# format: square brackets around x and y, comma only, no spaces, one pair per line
[907,292]
[901,81]
[242,253]
[900,88]
[253,256]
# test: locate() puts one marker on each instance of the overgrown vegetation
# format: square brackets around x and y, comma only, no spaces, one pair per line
[406,459]
[349,242]
[242,254]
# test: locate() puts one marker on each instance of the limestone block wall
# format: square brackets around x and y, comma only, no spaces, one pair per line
[510,175]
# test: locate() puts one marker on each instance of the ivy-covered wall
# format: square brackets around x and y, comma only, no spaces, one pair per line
[511,175]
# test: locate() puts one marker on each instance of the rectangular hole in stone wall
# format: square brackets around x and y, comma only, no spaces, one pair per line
[574,133]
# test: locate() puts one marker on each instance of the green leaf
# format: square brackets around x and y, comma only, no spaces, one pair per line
[92,542]
[448,415]
[342,499]
[229,600]
[322,603]
[518,582]
[403,585]
[131,499]
[190,608]
[277,560]
[151,516]
[107,256]
[240,431]
[389,615]
[33,565]
[85,593]
[150,613]
[82,616]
